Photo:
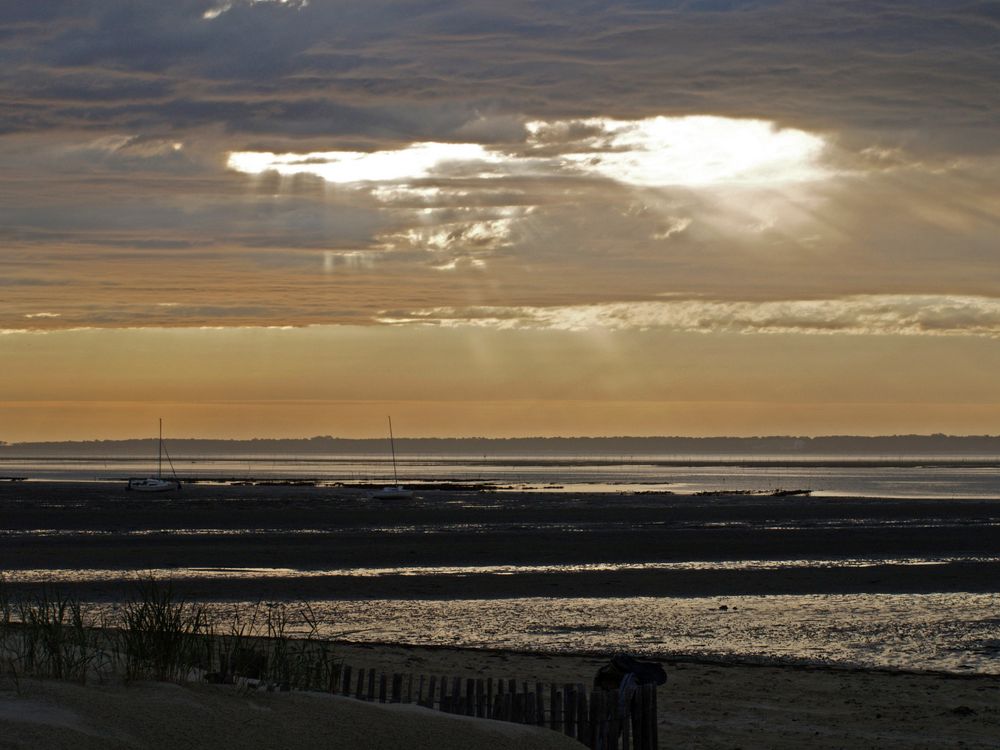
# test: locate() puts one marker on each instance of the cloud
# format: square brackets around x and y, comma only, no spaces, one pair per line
[292,163]
[898,315]
[693,151]
[690,151]
[226,6]
[403,72]
[415,162]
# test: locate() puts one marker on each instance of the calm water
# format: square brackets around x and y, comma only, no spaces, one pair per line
[943,632]
[953,632]
[903,477]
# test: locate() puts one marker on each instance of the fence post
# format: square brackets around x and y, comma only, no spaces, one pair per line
[345,682]
[360,693]
[647,726]
[397,689]
[497,701]
[626,720]
[593,738]
[540,704]
[614,720]
[445,704]
[654,727]
[555,708]
[382,688]
[480,698]
[569,709]
[638,720]
[584,721]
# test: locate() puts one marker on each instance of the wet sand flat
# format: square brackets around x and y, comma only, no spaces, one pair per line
[56,525]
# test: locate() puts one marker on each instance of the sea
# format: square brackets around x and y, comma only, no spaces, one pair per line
[941,476]
[953,632]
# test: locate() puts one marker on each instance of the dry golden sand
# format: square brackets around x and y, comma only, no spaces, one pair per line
[745,706]
[64,716]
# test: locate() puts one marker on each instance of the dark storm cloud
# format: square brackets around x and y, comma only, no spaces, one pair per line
[921,71]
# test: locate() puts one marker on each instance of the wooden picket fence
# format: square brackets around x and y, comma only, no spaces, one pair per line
[600,719]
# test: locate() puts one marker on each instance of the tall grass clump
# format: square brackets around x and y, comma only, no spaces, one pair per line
[47,635]
[159,635]
[260,647]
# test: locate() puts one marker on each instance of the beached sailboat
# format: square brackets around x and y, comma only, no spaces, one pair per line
[396,492]
[157,483]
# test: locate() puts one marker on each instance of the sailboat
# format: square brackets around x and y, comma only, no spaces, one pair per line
[157,483]
[396,492]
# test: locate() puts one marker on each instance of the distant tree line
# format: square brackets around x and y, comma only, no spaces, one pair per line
[887,445]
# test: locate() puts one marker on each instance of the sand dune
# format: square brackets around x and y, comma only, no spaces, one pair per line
[151,716]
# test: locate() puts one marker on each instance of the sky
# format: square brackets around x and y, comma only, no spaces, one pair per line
[701,217]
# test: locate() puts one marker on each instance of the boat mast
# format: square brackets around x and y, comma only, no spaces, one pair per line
[392,446]
[159,453]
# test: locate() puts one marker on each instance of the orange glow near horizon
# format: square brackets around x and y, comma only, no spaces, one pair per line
[244,383]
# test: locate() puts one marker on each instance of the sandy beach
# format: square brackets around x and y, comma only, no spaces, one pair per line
[725,706]
[711,706]
[324,542]
[164,716]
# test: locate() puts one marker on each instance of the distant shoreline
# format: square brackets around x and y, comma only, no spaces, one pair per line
[936,461]
[620,447]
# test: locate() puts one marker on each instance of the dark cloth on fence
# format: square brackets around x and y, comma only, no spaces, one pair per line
[613,674]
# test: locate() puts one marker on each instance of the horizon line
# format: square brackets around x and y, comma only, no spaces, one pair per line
[771,436]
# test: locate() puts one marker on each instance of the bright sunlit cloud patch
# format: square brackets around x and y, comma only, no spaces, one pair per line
[697,151]
[224,7]
[417,161]
[694,151]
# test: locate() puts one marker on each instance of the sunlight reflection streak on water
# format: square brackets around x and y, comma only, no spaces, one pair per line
[69,575]
[947,632]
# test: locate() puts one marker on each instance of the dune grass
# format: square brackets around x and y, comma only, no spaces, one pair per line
[155,635]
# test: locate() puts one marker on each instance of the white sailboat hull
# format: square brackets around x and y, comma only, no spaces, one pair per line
[396,492]
[157,483]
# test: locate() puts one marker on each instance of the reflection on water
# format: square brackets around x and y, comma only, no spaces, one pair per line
[937,477]
[99,575]
[956,632]
[947,632]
